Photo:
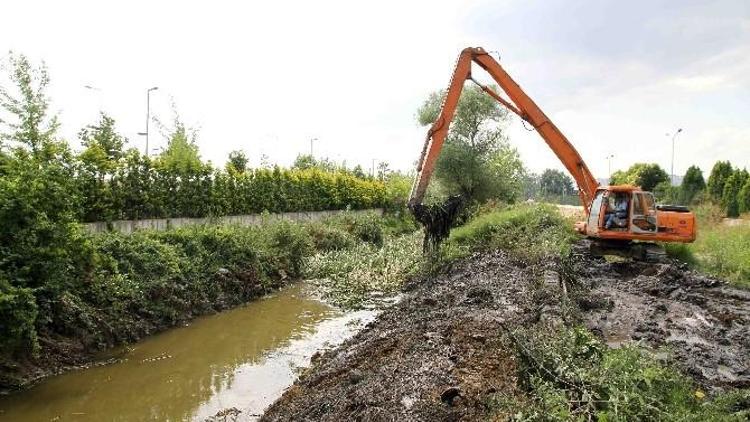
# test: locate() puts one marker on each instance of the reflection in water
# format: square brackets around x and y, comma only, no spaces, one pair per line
[242,358]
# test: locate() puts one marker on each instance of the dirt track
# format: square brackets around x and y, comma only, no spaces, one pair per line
[442,353]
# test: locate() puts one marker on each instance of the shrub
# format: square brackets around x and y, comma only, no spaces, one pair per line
[326,238]
[18,313]
[367,228]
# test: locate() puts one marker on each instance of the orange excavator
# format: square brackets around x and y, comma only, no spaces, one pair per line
[615,216]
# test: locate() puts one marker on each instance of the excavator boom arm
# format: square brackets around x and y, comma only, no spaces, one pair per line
[520,103]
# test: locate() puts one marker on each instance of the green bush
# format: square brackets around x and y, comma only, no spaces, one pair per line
[367,228]
[326,238]
[18,313]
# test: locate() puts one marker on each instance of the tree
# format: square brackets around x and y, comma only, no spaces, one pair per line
[476,160]
[237,162]
[555,182]
[530,183]
[98,163]
[666,193]
[307,161]
[181,155]
[733,186]
[383,170]
[645,175]
[26,112]
[692,184]
[721,171]
[743,198]
[103,146]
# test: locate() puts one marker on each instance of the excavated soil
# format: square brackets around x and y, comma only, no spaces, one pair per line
[444,352]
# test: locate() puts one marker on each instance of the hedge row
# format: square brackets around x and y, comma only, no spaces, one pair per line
[141,191]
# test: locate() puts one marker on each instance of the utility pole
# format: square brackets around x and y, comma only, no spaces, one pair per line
[148,114]
[673,138]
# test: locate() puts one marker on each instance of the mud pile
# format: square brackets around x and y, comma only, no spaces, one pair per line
[442,353]
[701,322]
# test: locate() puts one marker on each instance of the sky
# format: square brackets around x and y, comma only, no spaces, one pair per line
[618,78]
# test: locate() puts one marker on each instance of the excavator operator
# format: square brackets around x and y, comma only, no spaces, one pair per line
[617,214]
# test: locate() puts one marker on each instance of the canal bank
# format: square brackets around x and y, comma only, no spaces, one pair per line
[236,362]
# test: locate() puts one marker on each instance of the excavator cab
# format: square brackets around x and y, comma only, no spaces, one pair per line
[625,213]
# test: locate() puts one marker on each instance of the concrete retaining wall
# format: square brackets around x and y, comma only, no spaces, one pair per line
[129,226]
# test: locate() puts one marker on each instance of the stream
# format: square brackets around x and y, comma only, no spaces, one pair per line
[235,361]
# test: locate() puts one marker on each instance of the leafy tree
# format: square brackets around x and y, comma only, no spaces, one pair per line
[358,172]
[730,198]
[476,160]
[181,154]
[721,171]
[645,175]
[692,184]
[97,165]
[307,161]
[744,198]
[555,182]
[531,183]
[383,170]
[668,194]
[237,162]
[26,107]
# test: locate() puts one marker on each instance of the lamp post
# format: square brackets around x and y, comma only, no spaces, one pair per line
[672,167]
[148,114]
[311,145]
[609,167]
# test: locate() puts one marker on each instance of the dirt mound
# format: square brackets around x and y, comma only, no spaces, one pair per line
[442,353]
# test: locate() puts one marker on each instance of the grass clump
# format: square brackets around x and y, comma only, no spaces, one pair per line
[719,249]
[571,375]
[351,276]
[531,232]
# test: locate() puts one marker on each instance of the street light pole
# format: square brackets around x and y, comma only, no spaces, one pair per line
[311,145]
[673,138]
[148,111]
[609,167]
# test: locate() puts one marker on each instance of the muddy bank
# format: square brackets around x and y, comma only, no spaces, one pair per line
[445,352]
[81,349]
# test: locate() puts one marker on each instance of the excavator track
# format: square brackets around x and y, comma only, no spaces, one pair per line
[637,251]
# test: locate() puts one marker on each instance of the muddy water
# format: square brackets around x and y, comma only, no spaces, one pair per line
[243,359]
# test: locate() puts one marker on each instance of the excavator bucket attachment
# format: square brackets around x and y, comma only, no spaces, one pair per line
[437,220]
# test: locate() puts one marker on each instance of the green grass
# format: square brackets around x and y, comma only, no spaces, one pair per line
[530,232]
[723,251]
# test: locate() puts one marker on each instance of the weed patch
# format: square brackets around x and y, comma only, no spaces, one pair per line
[351,276]
[571,375]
